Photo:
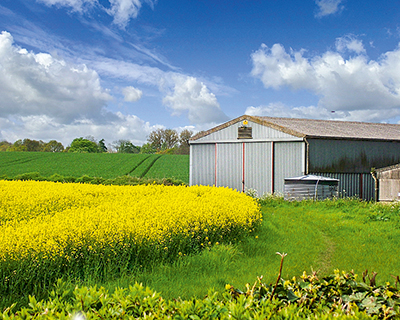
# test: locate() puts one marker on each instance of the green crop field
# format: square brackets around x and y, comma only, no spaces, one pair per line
[173,166]
[105,165]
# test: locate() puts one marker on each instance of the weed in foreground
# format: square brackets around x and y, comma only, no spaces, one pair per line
[340,291]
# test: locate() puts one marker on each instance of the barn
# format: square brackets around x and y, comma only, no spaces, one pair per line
[258,153]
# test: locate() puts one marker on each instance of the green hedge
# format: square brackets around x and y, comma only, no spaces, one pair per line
[122,180]
[338,296]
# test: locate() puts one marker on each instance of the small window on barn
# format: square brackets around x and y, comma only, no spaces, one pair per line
[245,133]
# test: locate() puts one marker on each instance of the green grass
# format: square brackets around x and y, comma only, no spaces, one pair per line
[319,236]
[103,165]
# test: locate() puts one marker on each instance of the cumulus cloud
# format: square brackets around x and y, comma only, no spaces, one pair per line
[37,84]
[275,67]
[182,94]
[121,10]
[194,98]
[356,84]
[327,7]
[44,97]
[132,94]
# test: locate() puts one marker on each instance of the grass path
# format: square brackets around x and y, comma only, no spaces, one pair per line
[327,254]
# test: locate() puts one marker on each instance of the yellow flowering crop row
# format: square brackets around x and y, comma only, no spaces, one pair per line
[41,222]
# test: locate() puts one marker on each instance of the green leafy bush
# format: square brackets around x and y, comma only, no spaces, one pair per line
[120,181]
[336,297]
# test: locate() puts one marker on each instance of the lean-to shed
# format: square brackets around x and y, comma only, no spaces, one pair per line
[260,152]
[389,183]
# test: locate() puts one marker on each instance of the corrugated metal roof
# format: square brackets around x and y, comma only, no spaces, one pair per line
[310,128]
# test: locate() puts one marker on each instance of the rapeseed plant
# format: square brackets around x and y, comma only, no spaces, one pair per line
[52,230]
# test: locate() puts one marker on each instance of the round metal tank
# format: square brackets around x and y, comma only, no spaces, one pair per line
[310,187]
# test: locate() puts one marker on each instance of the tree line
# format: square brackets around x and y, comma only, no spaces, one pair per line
[161,141]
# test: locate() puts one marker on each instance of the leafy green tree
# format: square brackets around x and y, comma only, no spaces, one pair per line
[125,146]
[184,137]
[18,146]
[163,139]
[147,148]
[83,145]
[5,145]
[33,145]
[102,146]
[171,138]
[53,146]
[27,145]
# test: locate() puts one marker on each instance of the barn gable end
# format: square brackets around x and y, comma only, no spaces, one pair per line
[230,133]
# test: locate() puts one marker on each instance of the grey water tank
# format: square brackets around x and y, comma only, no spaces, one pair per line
[310,187]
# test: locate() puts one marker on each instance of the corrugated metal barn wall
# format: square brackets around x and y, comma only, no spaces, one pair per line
[221,159]
[202,165]
[237,165]
[359,185]
[229,165]
[289,161]
[351,156]
[247,165]
[222,165]
[258,171]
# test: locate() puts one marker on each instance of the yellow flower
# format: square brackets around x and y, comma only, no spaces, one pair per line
[57,221]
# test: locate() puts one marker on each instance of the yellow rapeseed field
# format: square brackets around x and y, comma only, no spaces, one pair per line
[64,226]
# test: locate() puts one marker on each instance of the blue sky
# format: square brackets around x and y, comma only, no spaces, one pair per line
[118,69]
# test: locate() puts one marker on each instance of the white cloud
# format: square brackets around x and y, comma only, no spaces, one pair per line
[183,94]
[350,43]
[128,71]
[356,85]
[132,94]
[312,112]
[45,128]
[121,10]
[327,7]
[276,68]
[279,109]
[37,84]
[192,96]
[124,10]
[44,97]
[75,5]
